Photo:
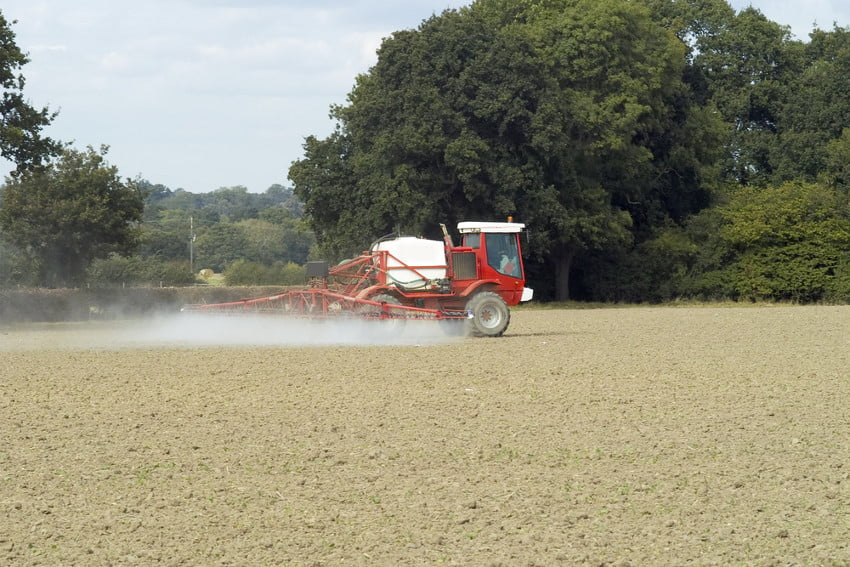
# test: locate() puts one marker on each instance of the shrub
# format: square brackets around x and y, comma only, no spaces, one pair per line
[138,271]
[244,272]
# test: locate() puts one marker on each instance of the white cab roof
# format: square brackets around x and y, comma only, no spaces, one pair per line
[476,226]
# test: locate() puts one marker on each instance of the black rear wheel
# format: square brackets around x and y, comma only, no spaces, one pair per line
[490,314]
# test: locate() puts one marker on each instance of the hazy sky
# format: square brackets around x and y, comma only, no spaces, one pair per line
[202,94]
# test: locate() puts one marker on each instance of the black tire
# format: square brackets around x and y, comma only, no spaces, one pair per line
[490,315]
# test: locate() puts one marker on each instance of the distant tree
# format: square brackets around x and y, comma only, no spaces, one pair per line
[167,235]
[21,140]
[257,240]
[68,213]
[221,244]
[154,196]
[229,224]
[276,215]
[234,203]
[265,241]
[277,236]
[283,197]
[181,199]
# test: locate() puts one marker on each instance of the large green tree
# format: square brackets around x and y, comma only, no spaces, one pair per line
[815,107]
[66,214]
[746,63]
[21,139]
[571,115]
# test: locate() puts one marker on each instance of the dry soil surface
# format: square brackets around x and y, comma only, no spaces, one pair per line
[633,436]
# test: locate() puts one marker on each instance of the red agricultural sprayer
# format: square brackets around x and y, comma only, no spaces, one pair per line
[403,278]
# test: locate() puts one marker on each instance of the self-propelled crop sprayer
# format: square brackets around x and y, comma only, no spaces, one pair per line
[402,278]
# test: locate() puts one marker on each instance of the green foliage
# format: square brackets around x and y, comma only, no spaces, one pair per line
[836,171]
[229,203]
[21,140]
[268,242]
[138,271]
[254,240]
[229,224]
[244,272]
[222,244]
[167,235]
[837,288]
[788,240]
[746,63]
[562,113]
[16,268]
[65,215]
[338,223]
[654,270]
[708,276]
[816,108]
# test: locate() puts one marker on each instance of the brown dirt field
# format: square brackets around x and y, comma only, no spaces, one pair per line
[633,436]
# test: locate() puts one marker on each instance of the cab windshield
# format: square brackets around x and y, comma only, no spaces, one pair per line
[503,254]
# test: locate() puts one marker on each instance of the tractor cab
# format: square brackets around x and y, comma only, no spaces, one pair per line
[497,253]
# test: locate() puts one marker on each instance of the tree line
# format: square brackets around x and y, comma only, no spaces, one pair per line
[656,149]
[252,238]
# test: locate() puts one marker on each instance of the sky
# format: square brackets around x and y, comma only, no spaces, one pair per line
[203,94]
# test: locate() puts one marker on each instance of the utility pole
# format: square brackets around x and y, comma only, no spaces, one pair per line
[192,244]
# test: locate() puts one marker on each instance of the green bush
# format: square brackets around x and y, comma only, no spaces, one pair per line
[244,272]
[138,271]
[788,243]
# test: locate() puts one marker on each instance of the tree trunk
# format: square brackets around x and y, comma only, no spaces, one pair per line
[563,260]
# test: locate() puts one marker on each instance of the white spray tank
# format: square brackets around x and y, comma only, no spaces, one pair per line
[413,262]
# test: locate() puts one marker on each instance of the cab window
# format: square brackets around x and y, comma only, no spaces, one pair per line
[503,254]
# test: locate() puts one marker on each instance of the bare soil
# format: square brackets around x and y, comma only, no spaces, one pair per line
[633,436]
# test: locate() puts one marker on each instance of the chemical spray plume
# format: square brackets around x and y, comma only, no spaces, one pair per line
[206,330]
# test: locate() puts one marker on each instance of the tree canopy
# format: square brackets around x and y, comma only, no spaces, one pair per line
[64,215]
[571,115]
[21,139]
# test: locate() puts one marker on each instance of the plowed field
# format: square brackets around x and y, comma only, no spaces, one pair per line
[634,436]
